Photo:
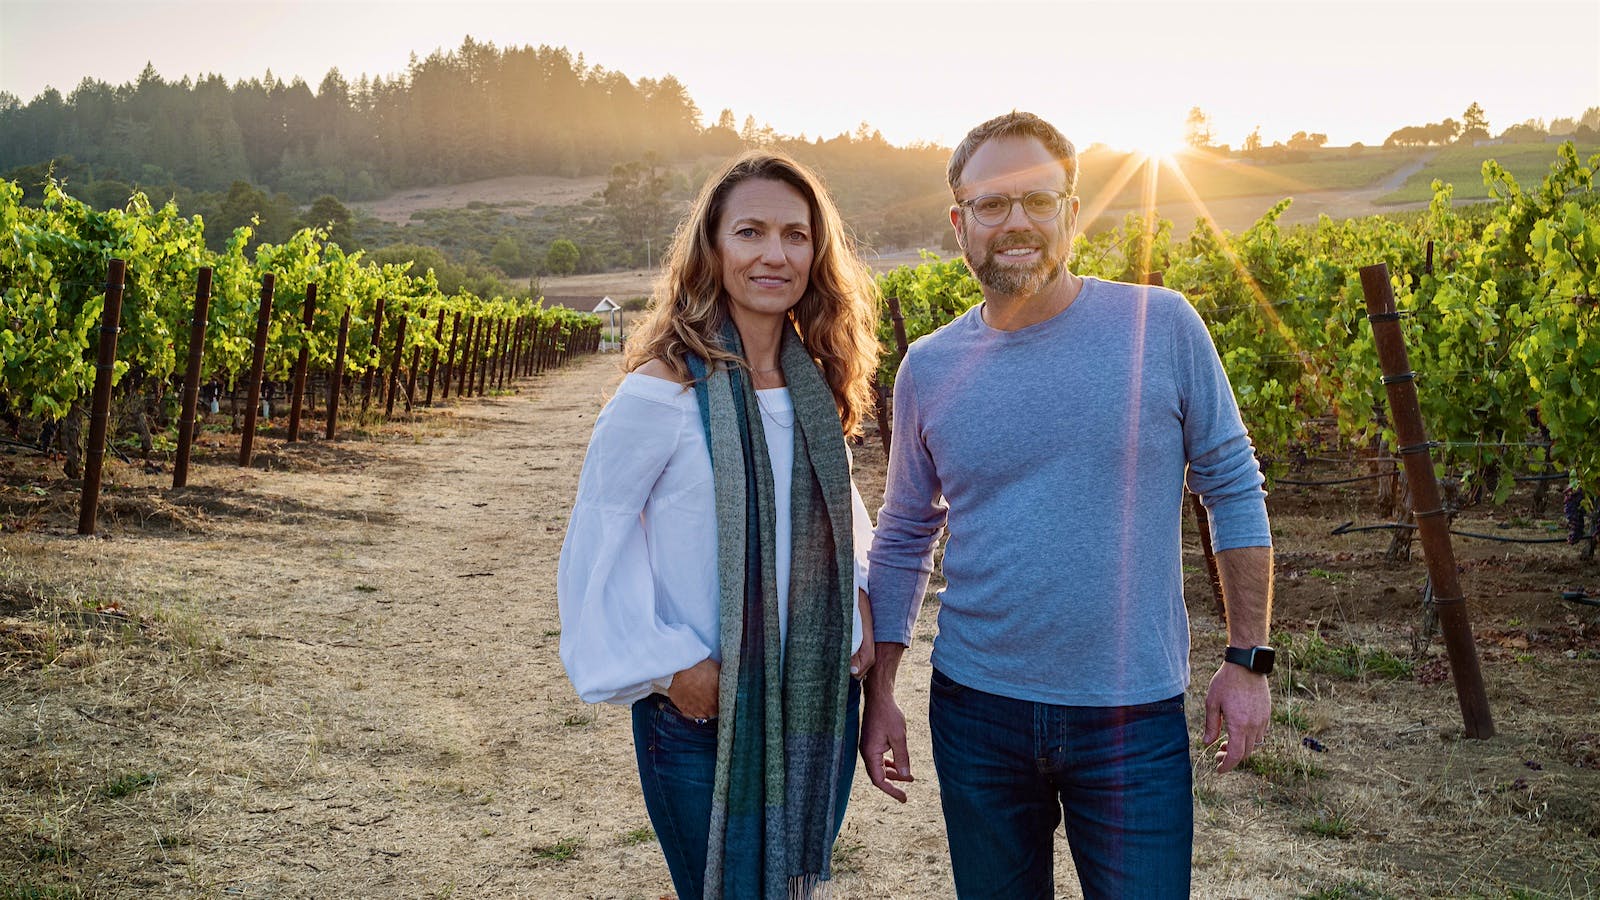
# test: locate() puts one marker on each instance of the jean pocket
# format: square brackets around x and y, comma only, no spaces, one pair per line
[671,709]
[944,684]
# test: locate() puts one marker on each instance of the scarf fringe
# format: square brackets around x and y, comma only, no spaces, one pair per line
[809,887]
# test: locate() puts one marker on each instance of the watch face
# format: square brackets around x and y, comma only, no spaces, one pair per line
[1261,659]
[1257,659]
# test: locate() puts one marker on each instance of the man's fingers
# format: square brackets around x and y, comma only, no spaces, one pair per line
[902,757]
[883,777]
[885,765]
[1213,720]
[881,772]
[1232,752]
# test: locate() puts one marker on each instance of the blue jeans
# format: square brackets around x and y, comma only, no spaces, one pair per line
[1008,770]
[677,767]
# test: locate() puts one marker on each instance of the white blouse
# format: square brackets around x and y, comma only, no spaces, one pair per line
[637,582]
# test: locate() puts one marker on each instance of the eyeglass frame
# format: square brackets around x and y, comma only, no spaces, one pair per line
[1061,198]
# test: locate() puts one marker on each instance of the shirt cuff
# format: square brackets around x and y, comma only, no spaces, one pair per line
[896,599]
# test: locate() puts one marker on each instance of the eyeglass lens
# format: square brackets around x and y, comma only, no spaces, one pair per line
[1040,206]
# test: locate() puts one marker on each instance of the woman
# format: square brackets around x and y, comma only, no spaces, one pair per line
[714,572]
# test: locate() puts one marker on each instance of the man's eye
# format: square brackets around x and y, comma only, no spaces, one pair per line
[991,204]
[1040,203]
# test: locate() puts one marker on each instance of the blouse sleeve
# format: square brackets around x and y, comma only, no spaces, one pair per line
[862,537]
[614,644]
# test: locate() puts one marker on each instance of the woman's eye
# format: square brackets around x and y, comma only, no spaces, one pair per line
[746,232]
[799,237]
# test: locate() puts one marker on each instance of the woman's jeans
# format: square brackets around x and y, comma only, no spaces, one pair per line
[1008,770]
[677,765]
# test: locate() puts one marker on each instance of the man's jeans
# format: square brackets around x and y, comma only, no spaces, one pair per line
[677,759]
[1009,768]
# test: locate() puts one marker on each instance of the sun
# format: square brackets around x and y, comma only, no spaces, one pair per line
[1155,143]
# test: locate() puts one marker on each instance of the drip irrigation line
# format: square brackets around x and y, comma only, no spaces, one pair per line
[1337,480]
[1581,596]
[1352,528]
[1490,443]
[24,446]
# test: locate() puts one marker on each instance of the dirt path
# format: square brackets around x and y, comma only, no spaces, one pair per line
[383,713]
[344,683]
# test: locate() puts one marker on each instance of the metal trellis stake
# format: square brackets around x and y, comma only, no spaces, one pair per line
[1400,384]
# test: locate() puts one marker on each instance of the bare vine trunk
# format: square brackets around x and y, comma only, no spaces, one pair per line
[70,438]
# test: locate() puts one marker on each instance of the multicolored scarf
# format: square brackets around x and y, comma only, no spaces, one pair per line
[781,725]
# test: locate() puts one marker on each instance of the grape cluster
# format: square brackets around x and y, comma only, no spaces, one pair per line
[1572,508]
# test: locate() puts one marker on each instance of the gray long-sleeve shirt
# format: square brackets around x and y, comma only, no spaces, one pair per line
[1056,457]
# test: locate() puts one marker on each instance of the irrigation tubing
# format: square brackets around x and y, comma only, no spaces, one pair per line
[1394,474]
[1352,528]
[1376,475]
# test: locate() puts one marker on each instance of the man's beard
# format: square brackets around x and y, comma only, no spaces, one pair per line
[1016,281]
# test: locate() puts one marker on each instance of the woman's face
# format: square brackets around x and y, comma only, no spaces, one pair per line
[764,247]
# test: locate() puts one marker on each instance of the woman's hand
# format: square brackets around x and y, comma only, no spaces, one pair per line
[694,690]
[861,661]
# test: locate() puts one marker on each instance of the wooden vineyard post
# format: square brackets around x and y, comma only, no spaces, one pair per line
[394,366]
[1202,527]
[505,354]
[258,364]
[450,356]
[100,405]
[485,357]
[516,348]
[497,347]
[411,378]
[897,321]
[1400,385]
[481,364]
[374,348]
[880,393]
[336,378]
[191,377]
[300,361]
[466,357]
[433,358]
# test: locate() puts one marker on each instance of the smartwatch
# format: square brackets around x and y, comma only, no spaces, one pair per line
[1256,659]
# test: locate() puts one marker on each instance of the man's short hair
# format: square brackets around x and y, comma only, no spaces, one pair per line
[1015,125]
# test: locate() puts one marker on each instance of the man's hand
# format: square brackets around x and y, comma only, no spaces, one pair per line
[883,725]
[1241,700]
[694,690]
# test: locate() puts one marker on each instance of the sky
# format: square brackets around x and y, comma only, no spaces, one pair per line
[1120,73]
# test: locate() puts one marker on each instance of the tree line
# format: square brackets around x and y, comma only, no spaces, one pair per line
[474,112]
[1474,126]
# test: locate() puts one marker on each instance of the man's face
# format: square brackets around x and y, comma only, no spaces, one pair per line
[1018,256]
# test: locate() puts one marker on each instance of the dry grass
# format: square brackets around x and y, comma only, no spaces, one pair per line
[338,677]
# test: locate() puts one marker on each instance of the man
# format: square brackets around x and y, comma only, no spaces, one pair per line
[1049,429]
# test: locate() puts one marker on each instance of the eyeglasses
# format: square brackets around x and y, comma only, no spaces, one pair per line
[992,209]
